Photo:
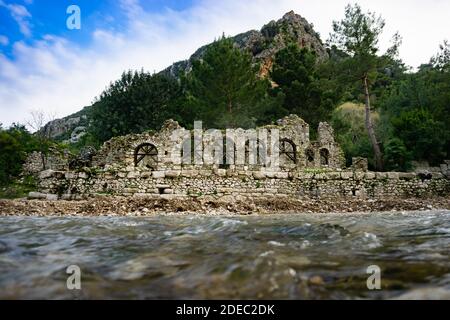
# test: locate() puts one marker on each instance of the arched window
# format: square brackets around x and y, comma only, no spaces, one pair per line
[288,149]
[146,155]
[324,157]
[257,146]
[309,153]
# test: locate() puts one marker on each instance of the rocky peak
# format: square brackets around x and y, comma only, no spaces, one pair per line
[264,44]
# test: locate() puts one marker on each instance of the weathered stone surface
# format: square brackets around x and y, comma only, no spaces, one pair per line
[321,176]
[205,173]
[58,127]
[438,175]
[70,175]
[393,175]
[347,175]
[146,174]
[55,159]
[159,174]
[381,175]
[172,174]
[51,197]
[270,174]
[359,175]
[259,175]
[360,164]
[133,175]
[370,175]
[281,175]
[47,174]
[83,175]
[333,176]
[221,172]
[37,195]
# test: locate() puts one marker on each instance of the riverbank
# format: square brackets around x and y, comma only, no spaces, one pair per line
[137,206]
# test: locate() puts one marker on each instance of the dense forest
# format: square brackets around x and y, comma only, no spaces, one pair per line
[380,108]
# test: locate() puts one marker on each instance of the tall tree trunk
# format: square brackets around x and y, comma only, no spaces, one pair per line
[43,157]
[370,130]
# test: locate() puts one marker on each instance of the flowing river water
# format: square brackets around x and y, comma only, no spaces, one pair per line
[297,256]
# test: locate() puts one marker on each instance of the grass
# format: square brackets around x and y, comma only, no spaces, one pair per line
[18,188]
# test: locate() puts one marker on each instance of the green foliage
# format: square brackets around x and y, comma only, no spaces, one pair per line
[421,134]
[15,142]
[18,188]
[357,35]
[348,122]
[416,109]
[223,89]
[10,157]
[396,156]
[442,60]
[294,72]
[136,102]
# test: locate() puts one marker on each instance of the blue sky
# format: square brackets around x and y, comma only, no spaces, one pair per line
[49,17]
[45,66]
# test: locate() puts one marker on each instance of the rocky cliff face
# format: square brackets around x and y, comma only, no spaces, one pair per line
[59,127]
[264,44]
[69,129]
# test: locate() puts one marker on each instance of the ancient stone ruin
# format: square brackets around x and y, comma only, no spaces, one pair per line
[177,149]
[277,160]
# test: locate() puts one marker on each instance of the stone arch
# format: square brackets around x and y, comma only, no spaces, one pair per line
[146,155]
[288,149]
[324,157]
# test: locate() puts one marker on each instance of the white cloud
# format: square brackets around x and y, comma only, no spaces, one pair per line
[59,76]
[4,41]
[21,15]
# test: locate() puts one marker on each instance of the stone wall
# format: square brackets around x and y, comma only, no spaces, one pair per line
[54,160]
[221,182]
[159,164]
[289,137]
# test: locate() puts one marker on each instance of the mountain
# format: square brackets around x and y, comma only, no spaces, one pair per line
[263,44]
[68,129]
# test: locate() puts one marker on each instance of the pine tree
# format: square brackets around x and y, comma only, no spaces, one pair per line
[223,88]
[357,35]
[294,72]
[138,101]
